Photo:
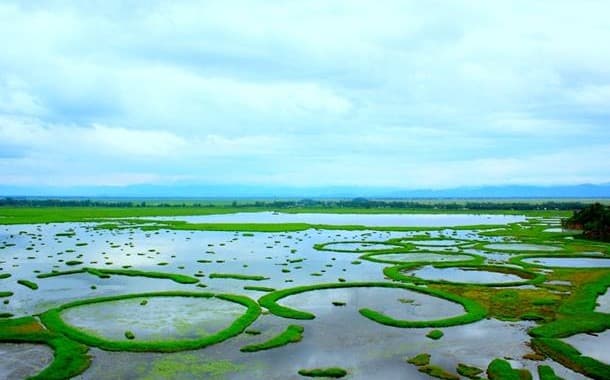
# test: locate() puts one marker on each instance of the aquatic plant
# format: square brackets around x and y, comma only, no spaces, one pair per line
[333,372]
[292,334]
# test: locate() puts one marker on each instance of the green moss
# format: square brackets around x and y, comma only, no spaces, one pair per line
[333,372]
[5,294]
[420,359]
[29,284]
[435,334]
[238,276]
[292,334]
[52,319]
[4,275]
[73,262]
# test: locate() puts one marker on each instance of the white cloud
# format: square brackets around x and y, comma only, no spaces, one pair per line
[304,92]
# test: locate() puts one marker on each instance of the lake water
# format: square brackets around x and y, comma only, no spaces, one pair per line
[373,220]
[594,346]
[522,247]
[464,275]
[338,336]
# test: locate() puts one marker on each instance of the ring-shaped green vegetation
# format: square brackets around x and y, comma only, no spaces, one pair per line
[433,242]
[392,246]
[372,256]
[53,321]
[520,260]
[529,277]
[474,310]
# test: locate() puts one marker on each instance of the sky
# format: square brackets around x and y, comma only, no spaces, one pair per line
[401,94]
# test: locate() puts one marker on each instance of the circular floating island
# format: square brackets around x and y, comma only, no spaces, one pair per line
[421,257]
[563,261]
[472,311]
[436,242]
[484,275]
[362,246]
[160,321]
[522,247]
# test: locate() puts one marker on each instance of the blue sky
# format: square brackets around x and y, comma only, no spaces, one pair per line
[304,93]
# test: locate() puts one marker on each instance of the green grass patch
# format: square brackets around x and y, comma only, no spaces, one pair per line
[435,334]
[332,372]
[292,334]
[259,288]
[238,276]
[420,359]
[28,284]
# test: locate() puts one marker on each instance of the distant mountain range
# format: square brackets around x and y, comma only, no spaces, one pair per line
[265,192]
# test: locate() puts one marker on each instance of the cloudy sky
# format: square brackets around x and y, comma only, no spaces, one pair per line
[304,93]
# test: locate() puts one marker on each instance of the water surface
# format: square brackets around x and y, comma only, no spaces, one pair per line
[405,220]
[570,262]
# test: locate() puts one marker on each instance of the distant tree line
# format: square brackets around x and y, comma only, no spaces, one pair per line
[26,202]
[307,203]
[593,220]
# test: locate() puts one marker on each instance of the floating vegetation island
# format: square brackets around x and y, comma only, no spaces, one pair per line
[296,299]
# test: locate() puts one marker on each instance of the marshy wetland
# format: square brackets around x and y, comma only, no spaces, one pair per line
[291,296]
